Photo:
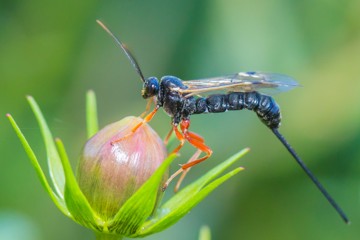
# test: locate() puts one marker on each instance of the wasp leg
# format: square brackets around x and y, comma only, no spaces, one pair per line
[196,141]
[166,184]
[193,158]
[145,120]
[148,105]
[195,136]
[178,136]
[191,134]
[201,146]
[181,138]
[184,172]
[166,140]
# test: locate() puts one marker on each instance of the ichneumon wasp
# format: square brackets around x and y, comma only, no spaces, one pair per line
[244,90]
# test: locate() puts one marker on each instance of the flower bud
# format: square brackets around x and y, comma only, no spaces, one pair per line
[110,172]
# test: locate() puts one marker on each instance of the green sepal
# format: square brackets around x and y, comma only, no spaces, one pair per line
[54,163]
[139,207]
[75,200]
[59,202]
[180,204]
[92,126]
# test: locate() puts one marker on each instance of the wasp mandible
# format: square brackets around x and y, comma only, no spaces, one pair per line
[243,90]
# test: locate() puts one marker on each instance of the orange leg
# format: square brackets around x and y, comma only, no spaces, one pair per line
[184,172]
[180,137]
[195,140]
[145,120]
[184,125]
[201,146]
[195,136]
[191,134]
[148,105]
[176,150]
[166,140]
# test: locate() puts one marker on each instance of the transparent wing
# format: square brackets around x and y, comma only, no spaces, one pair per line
[268,83]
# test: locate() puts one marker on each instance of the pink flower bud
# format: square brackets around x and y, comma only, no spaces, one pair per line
[109,174]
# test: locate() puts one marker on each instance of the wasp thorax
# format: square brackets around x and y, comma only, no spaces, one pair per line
[150,88]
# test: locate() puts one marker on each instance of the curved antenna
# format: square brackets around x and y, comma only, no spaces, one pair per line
[132,59]
[311,175]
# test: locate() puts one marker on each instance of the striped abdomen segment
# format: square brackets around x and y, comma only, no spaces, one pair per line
[265,106]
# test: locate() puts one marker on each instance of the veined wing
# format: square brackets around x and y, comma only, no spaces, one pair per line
[268,83]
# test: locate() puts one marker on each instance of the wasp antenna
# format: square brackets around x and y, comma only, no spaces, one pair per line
[125,49]
[310,174]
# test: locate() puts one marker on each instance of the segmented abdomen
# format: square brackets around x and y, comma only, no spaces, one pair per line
[265,106]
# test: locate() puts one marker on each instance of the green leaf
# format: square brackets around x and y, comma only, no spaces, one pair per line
[180,204]
[91,114]
[59,202]
[139,207]
[205,233]
[75,200]
[55,168]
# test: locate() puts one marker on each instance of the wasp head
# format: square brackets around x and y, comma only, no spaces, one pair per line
[150,87]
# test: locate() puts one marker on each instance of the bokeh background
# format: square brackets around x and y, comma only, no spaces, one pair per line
[55,51]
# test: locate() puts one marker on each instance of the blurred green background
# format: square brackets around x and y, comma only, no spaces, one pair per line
[55,51]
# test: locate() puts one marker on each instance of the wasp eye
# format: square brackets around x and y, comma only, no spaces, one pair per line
[151,87]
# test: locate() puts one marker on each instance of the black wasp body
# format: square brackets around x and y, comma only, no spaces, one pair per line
[179,107]
[243,90]
[174,104]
